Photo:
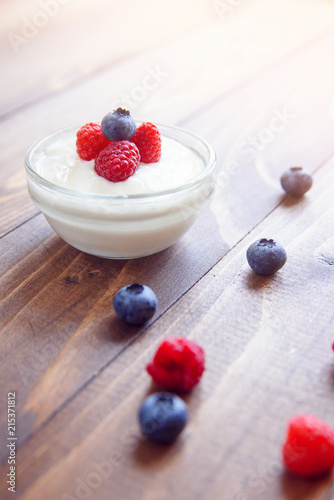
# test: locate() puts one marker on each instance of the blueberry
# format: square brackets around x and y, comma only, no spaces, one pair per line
[266,256]
[135,303]
[163,416]
[296,181]
[118,126]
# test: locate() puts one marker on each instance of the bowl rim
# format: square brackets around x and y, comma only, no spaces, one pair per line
[33,175]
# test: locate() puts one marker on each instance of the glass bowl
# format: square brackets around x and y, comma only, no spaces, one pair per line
[127,226]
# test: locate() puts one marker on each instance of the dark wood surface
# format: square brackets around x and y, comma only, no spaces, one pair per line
[256,81]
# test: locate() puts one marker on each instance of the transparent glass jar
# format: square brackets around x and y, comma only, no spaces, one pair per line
[122,227]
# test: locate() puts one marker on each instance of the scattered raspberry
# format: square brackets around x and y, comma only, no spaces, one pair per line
[309,447]
[118,161]
[90,141]
[148,140]
[178,364]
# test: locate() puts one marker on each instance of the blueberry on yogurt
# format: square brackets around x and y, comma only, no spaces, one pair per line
[266,256]
[118,126]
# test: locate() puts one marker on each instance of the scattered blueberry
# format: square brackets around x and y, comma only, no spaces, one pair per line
[266,256]
[118,126]
[296,181]
[135,303]
[163,416]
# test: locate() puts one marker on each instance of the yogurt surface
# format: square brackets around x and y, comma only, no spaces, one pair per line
[60,164]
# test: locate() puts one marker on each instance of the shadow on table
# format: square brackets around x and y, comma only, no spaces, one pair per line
[288,201]
[294,488]
[256,281]
[150,454]
[331,373]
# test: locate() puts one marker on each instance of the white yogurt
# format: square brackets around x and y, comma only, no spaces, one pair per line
[61,165]
[140,216]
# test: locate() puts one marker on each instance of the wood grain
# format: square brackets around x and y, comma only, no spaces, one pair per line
[85,286]
[99,30]
[70,338]
[257,84]
[260,344]
[90,99]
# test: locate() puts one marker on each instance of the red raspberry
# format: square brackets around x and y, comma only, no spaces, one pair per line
[118,161]
[178,364]
[309,447]
[148,140]
[90,141]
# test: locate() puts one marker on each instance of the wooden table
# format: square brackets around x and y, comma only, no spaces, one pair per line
[255,78]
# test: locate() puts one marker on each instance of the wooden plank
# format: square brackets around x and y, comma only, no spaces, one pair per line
[267,358]
[40,333]
[91,99]
[59,328]
[105,32]
[36,59]
[84,286]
